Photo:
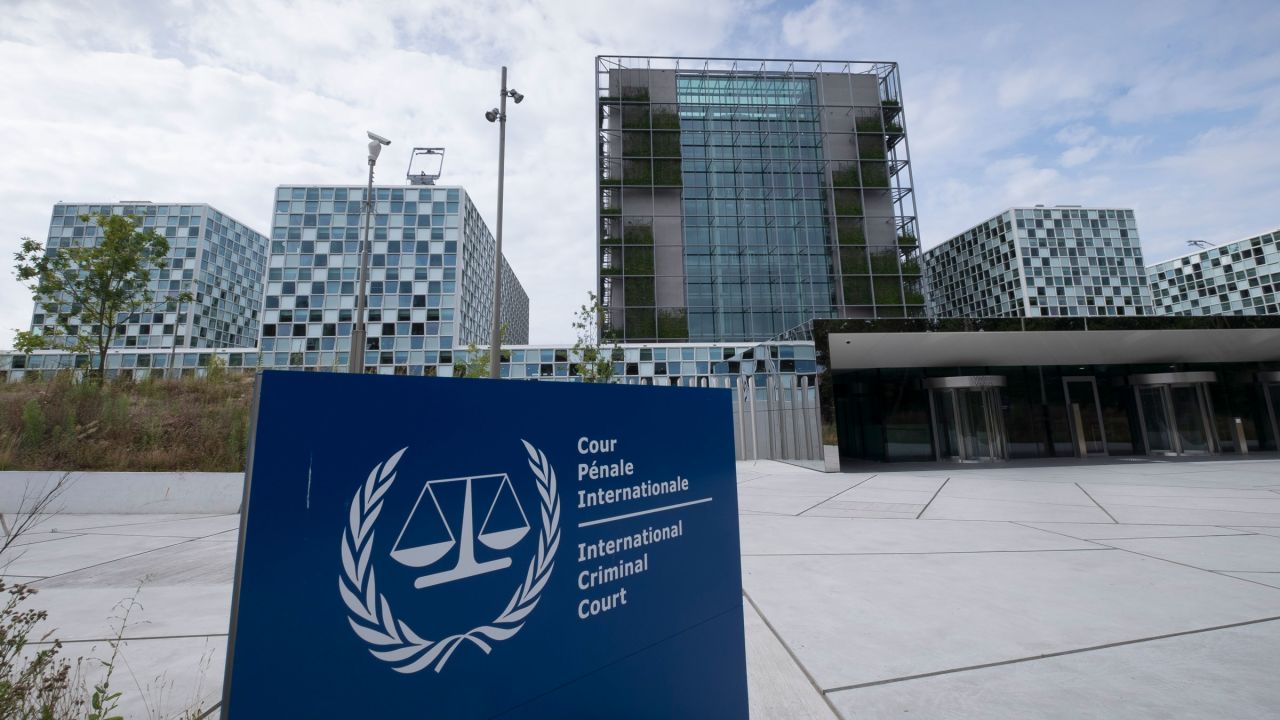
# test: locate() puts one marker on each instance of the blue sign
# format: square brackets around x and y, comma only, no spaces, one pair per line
[447,548]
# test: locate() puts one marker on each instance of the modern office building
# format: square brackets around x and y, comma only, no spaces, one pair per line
[216,258]
[1063,261]
[738,198]
[430,290]
[1239,278]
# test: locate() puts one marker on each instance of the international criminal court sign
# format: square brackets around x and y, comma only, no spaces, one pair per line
[439,548]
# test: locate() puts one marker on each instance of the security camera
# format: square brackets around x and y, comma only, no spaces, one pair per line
[379,138]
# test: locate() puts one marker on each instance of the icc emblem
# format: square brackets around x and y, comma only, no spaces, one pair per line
[504,524]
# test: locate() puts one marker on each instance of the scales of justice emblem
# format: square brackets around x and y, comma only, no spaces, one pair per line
[505,524]
[427,538]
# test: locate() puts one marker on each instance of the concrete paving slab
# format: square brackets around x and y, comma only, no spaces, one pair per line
[1266,578]
[1230,553]
[1261,530]
[864,618]
[777,688]
[958,508]
[1249,505]
[186,527]
[187,563]
[1106,531]
[1126,513]
[778,504]
[1098,489]
[75,523]
[830,512]
[55,558]
[830,536]
[1223,674]
[89,613]
[31,538]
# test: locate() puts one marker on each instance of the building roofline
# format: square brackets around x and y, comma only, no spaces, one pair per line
[1273,231]
[211,206]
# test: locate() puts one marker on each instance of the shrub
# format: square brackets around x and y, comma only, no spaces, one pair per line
[845,177]
[33,423]
[884,263]
[869,124]
[673,324]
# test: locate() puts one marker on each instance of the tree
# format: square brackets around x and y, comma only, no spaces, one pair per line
[87,290]
[595,364]
[477,364]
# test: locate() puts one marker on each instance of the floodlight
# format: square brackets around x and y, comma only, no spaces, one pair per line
[516,96]
[492,115]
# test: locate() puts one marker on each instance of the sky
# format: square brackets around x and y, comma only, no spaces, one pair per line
[1171,108]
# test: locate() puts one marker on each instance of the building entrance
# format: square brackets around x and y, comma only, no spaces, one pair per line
[1270,382]
[1175,412]
[967,420]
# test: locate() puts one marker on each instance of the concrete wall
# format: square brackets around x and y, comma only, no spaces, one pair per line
[201,493]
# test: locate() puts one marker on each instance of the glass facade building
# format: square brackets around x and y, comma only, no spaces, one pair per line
[1064,261]
[740,198]
[213,256]
[431,266]
[1239,278]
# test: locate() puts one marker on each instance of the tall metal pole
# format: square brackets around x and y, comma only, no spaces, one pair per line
[495,344]
[356,360]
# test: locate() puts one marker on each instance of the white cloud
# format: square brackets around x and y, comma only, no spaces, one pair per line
[1169,107]
[824,26]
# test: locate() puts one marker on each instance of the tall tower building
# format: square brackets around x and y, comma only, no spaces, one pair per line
[740,198]
[213,256]
[1064,261]
[431,266]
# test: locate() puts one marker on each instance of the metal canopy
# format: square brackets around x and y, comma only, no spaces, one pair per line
[856,351]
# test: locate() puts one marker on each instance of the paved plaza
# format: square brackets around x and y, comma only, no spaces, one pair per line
[1126,588]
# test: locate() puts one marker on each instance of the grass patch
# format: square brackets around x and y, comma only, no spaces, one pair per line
[197,424]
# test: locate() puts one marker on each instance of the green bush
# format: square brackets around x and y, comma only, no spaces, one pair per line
[673,324]
[874,175]
[639,291]
[638,235]
[888,291]
[666,144]
[848,208]
[853,260]
[869,124]
[907,241]
[636,144]
[640,323]
[638,261]
[33,423]
[857,290]
[845,177]
[884,263]
[665,120]
[667,172]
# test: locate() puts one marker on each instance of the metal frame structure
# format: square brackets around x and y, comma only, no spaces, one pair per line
[1077,433]
[813,185]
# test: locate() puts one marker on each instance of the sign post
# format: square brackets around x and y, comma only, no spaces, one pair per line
[571,554]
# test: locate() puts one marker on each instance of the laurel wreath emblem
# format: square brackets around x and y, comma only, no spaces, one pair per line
[369,613]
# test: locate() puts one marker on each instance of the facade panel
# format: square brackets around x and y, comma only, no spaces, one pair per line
[1240,278]
[430,278]
[1041,262]
[217,259]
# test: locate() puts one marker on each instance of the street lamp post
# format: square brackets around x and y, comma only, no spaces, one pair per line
[355,362]
[499,115]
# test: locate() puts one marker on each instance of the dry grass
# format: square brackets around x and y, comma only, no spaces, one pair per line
[188,424]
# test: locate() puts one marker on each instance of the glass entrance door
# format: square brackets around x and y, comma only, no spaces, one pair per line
[1175,412]
[968,425]
[1085,415]
[1270,382]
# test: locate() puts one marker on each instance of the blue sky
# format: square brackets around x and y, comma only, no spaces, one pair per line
[1171,108]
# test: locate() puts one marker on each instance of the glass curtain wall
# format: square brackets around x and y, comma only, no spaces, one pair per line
[756,259]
